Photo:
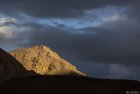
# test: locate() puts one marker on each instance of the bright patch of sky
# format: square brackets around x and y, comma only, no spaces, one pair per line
[4,30]
[6,20]
[92,18]
[8,31]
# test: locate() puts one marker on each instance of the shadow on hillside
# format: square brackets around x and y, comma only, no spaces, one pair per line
[11,68]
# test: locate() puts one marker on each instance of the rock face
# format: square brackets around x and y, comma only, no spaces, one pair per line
[10,67]
[42,60]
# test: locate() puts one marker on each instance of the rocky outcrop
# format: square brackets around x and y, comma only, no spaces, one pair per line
[42,60]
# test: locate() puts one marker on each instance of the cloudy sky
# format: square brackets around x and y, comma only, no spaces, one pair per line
[100,37]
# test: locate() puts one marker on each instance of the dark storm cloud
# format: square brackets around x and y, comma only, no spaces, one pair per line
[60,8]
[117,44]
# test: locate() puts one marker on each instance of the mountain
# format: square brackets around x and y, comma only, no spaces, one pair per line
[39,70]
[38,60]
[42,60]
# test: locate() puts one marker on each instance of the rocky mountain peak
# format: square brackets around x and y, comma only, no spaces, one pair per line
[42,60]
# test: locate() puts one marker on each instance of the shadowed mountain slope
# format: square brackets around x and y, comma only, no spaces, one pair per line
[11,68]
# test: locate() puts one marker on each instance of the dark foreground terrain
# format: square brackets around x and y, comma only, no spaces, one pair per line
[68,85]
